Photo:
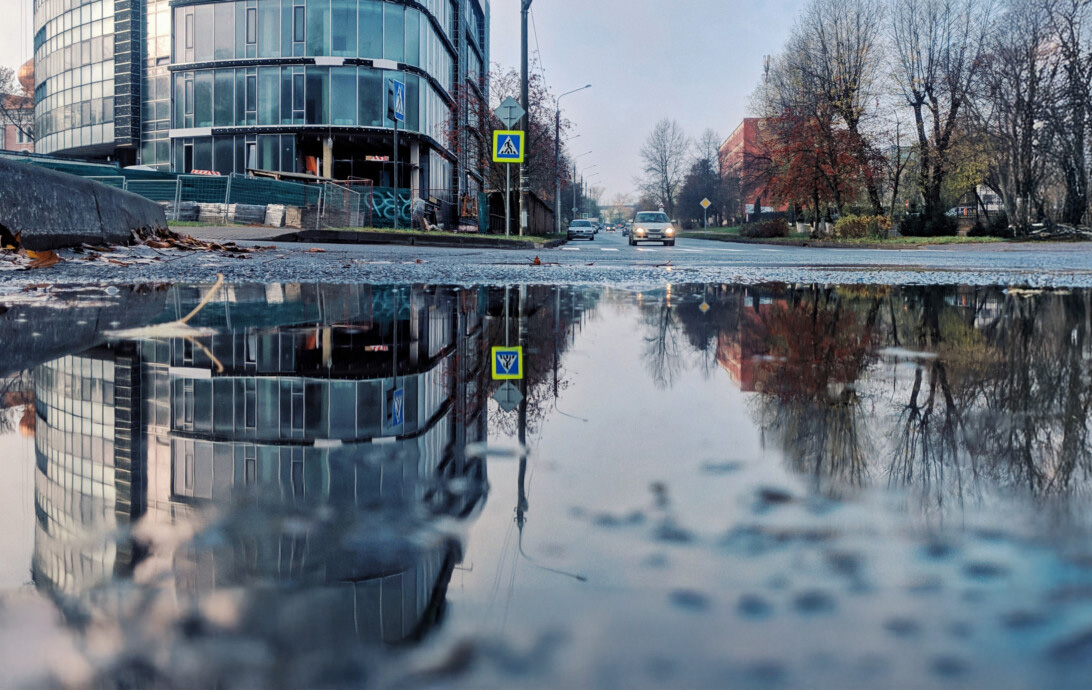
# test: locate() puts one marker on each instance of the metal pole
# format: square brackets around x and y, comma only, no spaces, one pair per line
[394,182]
[557,166]
[525,102]
[574,189]
[507,199]
[706,218]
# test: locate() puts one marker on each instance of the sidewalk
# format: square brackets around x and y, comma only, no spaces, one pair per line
[238,233]
[247,233]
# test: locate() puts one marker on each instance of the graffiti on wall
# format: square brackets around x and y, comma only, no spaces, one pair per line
[385,205]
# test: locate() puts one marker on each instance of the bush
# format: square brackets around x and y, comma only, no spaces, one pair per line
[777,227]
[997,227]
[920,225]
[854,227]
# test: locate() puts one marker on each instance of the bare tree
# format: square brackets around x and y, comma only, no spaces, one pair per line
[1071,114]
[937,46]
[707,147]
[1016,98]
[16,107]
[837,54]
[665,162]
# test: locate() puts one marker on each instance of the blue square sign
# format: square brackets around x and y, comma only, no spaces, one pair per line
[396,100]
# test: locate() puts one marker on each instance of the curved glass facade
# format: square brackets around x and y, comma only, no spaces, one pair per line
[296,86]
[247,72]
[74,75]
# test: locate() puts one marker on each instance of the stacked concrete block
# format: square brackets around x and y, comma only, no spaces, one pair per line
[247,214]
[274,215]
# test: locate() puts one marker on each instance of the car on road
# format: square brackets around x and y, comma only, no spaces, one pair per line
[652,226]
[583,229]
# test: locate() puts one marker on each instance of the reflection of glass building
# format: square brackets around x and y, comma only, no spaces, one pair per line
[362,405]
[284,85]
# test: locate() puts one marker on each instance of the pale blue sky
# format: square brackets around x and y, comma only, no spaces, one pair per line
[696,61]
[693,60]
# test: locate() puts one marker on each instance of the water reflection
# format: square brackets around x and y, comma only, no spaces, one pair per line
[288,502]
[302,473]
[943,390]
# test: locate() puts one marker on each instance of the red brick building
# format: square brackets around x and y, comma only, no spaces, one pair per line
[744,155]
[17,117]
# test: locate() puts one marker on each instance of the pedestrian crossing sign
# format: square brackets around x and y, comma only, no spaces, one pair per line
[507,363]
[508,146]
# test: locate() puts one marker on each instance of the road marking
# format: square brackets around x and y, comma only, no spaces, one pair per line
[608,249]
[570,249]
[692,251]
[646,250]
[718,249]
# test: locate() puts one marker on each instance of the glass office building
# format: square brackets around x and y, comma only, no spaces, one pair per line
[295,86]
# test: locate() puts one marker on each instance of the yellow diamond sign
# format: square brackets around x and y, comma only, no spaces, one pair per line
[705,203]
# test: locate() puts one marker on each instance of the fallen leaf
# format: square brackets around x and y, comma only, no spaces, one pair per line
[316,250]
[119,263]
[536,262]
[43,259]
[158,244]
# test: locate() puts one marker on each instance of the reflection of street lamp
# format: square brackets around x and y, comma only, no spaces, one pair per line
[557,155]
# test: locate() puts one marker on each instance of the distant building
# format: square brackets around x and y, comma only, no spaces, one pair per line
[744,156]
[17,120]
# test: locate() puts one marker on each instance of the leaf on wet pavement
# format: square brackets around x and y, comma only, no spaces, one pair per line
[316,250]
[43,259]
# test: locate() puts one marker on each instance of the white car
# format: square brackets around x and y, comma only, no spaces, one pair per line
[581,228]
[652,226]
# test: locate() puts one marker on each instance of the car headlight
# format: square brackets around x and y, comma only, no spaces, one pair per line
[669,230]
[640,231]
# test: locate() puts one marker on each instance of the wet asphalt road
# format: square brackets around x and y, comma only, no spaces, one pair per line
[606,260]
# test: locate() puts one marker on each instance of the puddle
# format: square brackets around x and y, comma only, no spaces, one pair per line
[701,486]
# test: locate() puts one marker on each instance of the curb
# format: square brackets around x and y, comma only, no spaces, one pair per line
[469,242]
[821,244]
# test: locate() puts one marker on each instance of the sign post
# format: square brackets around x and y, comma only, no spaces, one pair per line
[508,147]
[509,112]
[705,204]
[396,110]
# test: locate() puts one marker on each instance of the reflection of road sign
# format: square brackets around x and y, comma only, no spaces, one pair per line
[507,146]
[395,407]
[507,363]
[705,203]
[704,307]
[510,112]
[508,397]
[396,93]
[398,407]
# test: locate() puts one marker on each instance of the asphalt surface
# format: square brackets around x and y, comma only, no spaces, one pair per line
[606,260]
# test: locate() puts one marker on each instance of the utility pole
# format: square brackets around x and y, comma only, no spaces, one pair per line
[524,183]
[557,157]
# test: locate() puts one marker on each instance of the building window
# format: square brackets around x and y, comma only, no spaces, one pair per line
[189,31]
[251,26]
[299,24]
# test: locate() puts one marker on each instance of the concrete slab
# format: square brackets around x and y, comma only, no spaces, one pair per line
[51,210]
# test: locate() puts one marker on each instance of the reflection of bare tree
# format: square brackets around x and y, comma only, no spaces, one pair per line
[663,342]
[818,343]
[17,403]
[1005,400]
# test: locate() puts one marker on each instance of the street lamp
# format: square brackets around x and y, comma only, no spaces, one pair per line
[557,155]
[587,181]
[575,208]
